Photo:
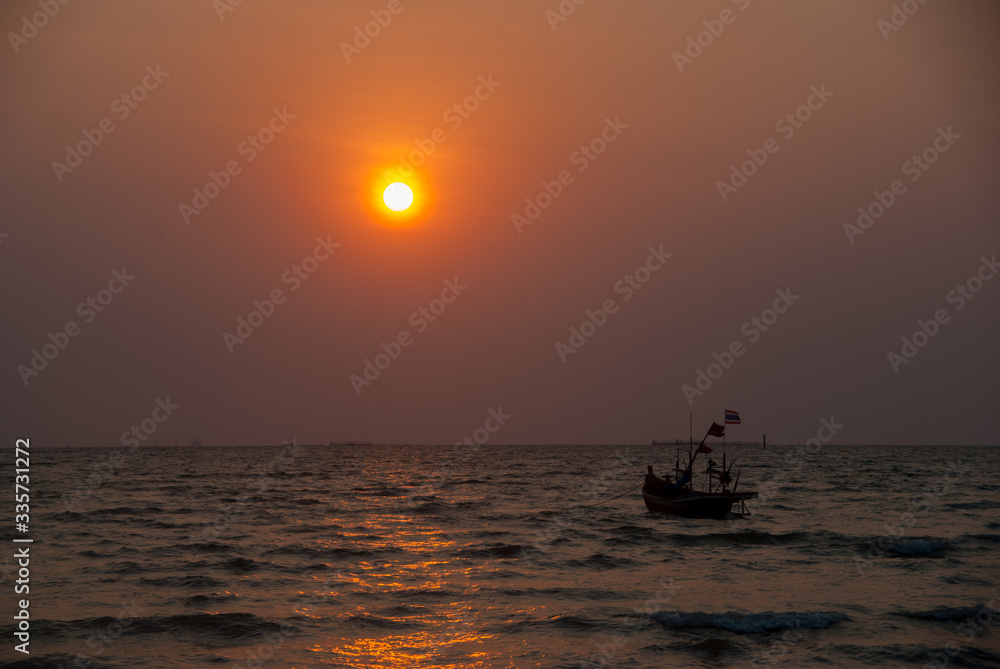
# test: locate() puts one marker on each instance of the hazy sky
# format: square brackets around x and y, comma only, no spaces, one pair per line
[643,125]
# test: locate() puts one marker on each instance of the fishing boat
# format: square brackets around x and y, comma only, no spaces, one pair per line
[715,500]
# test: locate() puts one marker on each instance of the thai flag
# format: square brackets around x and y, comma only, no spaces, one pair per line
[732,417]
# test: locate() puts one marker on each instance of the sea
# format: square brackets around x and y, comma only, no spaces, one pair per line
[397,557]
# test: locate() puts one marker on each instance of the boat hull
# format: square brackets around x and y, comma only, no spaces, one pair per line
[716,505]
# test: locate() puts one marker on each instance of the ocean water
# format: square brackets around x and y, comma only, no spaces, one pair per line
[399,557]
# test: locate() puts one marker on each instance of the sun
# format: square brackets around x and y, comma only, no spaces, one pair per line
[398,196]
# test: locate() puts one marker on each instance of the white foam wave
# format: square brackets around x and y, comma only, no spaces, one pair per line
[747,623]
[918,547]
[950,612]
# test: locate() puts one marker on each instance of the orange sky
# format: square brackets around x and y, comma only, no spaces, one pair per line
[550,92]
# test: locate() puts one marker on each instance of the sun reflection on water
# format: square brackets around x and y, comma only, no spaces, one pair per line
[400,596]
[454,644]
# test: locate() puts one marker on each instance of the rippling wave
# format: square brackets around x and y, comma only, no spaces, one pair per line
[398,557]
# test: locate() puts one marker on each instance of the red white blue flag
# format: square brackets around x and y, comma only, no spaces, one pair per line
[732,417]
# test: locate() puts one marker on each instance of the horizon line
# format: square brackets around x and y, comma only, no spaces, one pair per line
[504,445]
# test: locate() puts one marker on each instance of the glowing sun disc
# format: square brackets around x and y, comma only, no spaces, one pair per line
[398,196]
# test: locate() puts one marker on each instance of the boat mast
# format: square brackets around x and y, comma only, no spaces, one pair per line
[725,472]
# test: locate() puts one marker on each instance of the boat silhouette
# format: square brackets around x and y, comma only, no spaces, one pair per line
[679,498]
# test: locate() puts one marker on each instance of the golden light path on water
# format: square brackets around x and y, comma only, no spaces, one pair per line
[452,627]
